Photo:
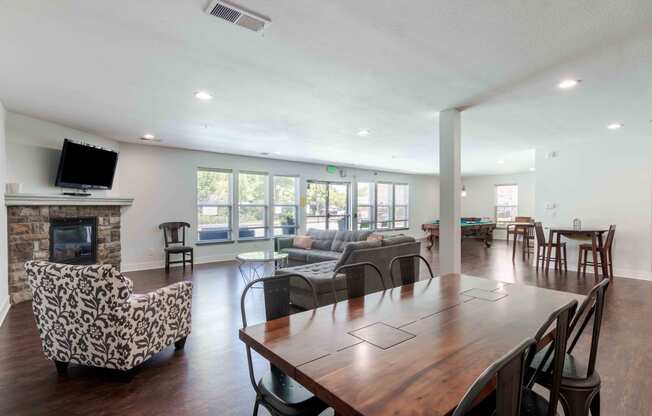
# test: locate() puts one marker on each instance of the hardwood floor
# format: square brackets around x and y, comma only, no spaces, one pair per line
[210,377]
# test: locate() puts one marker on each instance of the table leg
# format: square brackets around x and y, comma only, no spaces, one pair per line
[603,257]
[594,250]
[514,246]
[558,253]
[547,258]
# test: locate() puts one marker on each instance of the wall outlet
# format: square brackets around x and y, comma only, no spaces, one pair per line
[552,155]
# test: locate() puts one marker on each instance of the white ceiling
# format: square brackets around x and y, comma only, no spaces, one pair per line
[325,69]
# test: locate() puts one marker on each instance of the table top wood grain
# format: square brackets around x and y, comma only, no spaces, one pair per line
[411,350]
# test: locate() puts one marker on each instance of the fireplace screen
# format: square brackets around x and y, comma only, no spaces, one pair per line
[73,240]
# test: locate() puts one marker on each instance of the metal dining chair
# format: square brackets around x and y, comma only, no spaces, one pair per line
[580,383]
[355,277]
[279,393]
[533,403]
[509,372]
[403,263]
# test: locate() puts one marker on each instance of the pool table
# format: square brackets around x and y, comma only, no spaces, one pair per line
[472,227]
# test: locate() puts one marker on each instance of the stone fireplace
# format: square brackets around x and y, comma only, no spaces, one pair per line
[31,238]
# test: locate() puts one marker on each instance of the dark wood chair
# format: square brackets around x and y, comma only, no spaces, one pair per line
[511,229]
[580,383]
[509,372]
[174,234]
[279,393]
[605,253]
[533,403]
[355,275]
[560,258]
[407,261]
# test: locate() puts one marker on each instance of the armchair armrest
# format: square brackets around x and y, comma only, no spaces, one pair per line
[153,321]
[283,242]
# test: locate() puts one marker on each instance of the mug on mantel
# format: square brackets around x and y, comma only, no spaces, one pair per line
[13,188]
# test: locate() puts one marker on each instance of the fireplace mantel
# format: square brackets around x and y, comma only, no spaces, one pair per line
[62,200]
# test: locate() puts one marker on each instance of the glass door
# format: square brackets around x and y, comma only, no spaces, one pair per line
[327,205]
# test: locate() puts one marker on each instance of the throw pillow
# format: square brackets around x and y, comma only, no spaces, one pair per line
[302,241]
[375,237]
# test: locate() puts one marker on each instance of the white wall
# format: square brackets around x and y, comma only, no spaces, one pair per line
[480,199]
[602,183]
[162,181]
[34,147]
[4,276]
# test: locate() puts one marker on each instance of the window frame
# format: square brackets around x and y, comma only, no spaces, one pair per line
[229,206]
[327,217]
[392,206]
[371,205]
[265,206]
[499,223]
[297,192]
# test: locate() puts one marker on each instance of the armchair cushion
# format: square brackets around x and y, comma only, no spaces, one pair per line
[88,315]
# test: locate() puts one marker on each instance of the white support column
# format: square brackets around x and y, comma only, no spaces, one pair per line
[450,257]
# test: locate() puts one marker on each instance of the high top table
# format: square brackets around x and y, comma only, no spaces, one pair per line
[410,350]
[592,234]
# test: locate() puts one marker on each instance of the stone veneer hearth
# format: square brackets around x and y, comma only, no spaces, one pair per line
[29,238]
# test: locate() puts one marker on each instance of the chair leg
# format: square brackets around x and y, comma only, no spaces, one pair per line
[578,401]
[180,344]
[595,405]
[565,260]
[538,255]
[167,262]
[256,406]
[62,367]
[192,260]
[579,262]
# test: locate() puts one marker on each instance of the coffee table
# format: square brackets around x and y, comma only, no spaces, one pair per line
[253,263]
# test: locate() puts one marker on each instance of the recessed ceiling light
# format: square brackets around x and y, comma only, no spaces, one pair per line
[363,132]
[501,162]
[148,136]
[568,83]
[532,169]
[615,126]
[203,96]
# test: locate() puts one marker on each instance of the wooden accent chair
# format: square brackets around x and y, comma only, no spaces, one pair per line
[605,254]
[509,372]
[580,382]
[560,258]
[279,393]
[174,234]
[89,315]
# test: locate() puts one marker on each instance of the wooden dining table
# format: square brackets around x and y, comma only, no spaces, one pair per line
[592,234]
[410,350]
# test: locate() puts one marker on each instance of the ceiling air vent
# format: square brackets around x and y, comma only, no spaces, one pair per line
[237,15]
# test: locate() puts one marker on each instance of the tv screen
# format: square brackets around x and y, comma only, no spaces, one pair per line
[87,167]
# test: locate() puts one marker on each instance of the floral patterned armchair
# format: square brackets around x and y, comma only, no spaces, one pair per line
[88,315]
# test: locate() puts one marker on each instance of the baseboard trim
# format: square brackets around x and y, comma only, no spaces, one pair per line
[4,309]
[160,264]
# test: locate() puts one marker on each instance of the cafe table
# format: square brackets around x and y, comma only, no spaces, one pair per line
[413,349]
[594,234]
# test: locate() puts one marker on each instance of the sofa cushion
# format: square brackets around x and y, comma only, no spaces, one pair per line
[375,237]
[343,237]
[319,274]
[322,239]
[302,241]
[296,254]
[397,239]
[356,245]
[315,256]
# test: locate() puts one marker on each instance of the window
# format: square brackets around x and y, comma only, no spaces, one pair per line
[327,205]
[285,205]
[392,206]
[252,205]
[214,198]
[364,207]
[506,203]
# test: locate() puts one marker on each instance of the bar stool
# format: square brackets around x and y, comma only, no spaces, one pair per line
[605,254]
[560,250]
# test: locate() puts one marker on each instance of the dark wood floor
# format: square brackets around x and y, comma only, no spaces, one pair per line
[210,376]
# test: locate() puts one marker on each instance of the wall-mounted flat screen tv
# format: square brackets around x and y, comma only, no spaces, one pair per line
[86,167]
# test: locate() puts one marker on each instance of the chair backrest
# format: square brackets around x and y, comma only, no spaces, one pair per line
[406,264]
[276,290]
[174,232]
[522,219]
[610,237]
[356,278]
[592,307]
[540,234]
[509,372]
[562,319]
